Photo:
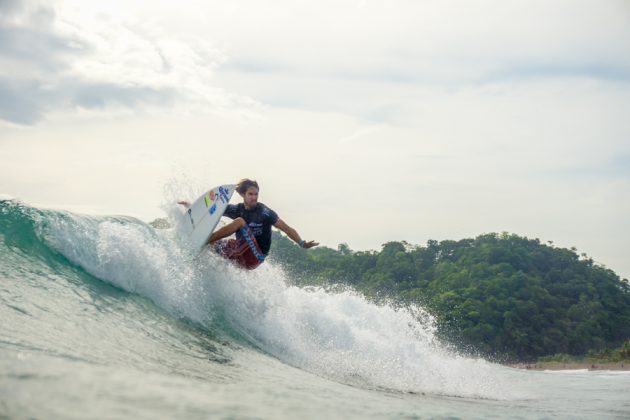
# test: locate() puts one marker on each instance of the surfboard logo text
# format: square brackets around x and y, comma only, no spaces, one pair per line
[223,193]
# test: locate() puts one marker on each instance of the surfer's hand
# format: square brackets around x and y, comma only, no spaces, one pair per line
[310,244]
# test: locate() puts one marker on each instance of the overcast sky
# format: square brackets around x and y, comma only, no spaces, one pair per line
[363,121]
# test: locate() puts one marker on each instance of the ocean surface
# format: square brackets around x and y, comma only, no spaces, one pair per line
[108,317]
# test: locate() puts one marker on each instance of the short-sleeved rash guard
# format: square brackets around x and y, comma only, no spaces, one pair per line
[259,219]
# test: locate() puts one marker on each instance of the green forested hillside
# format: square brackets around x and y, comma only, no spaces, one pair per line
[501,294]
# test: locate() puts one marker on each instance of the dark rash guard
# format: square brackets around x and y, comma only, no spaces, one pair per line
[259,219]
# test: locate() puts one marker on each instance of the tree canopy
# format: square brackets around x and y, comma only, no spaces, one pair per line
[501,294]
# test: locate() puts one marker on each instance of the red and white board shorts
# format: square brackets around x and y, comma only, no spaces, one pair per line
[244,251]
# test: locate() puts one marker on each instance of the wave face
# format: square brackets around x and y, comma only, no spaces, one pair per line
[114,295]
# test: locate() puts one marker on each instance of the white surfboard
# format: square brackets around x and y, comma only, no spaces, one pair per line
[202,217]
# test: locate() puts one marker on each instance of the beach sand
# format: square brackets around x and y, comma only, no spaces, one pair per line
[571,366]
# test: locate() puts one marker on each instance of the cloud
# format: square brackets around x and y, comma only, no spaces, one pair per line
[415,42]
[18,102]
[295,53]
[53,61]
[372,59]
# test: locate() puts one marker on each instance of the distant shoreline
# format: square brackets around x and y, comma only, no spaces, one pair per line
[571,366]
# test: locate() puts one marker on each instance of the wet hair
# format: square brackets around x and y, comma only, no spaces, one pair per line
[245,184]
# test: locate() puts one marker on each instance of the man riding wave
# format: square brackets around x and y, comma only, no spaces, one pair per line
[252,222]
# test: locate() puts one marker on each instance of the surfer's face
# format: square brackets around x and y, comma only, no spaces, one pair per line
[251,197]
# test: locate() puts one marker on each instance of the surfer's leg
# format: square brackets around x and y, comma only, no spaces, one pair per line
[227,230]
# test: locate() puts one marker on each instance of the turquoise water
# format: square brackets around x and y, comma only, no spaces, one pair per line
[106,317]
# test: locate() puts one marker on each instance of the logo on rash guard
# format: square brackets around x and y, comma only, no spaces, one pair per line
[256,228]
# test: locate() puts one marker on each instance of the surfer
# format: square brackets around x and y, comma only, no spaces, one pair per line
[251,222]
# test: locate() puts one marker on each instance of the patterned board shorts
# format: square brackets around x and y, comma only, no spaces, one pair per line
[244,251]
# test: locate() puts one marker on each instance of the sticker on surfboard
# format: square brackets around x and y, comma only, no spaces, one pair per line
[202,217]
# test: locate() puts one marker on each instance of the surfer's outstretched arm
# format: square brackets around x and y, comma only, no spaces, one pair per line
[292,233]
